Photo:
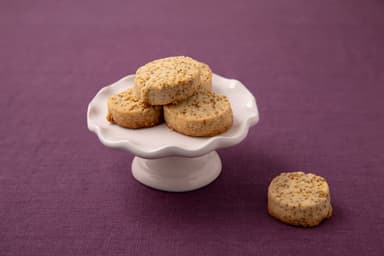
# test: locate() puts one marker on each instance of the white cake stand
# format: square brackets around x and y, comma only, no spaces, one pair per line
[167,160]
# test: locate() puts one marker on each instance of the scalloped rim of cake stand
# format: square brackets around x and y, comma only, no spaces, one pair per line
[166,142]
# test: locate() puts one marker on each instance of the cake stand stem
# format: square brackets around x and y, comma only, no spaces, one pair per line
[177,174]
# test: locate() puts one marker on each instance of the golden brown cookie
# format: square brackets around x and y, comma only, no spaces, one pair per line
[167,80]
[299,198]
[205,76]
[203,114]
[126,110]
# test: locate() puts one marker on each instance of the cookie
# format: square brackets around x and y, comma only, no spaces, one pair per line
[167,80]
[126,110]
[205,76]
[298,198]
[204,114]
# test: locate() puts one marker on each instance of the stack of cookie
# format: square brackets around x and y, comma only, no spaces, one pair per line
[177,90]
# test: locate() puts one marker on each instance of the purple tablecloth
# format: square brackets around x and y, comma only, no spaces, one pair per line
[315,67]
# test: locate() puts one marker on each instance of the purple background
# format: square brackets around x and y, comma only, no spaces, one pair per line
[315,67]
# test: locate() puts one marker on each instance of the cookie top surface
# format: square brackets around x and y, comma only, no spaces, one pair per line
[299,189]
[167,72]
[201,106]
[126,101]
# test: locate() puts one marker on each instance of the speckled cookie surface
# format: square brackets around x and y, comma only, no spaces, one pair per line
[126,110]
[298,198]
[203,114]
[167,80]
[205,76]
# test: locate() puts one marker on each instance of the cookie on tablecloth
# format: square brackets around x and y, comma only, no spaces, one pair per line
[298,198]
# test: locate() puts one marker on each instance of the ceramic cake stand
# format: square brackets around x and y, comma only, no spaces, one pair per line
[165,159]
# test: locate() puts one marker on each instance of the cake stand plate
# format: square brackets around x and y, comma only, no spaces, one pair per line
[165,159]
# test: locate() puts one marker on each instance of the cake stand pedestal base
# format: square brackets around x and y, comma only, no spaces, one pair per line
[177,174]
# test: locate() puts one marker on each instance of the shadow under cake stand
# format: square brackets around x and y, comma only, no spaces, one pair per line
[165,159]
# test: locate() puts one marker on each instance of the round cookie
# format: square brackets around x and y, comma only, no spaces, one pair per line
[299,198]
[167,80]
[204,114]
[126,110]
[205,76]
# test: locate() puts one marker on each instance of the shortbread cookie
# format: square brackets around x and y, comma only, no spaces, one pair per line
[126,110]
[203,114]
[205,76]
[167,80]
[299,198]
